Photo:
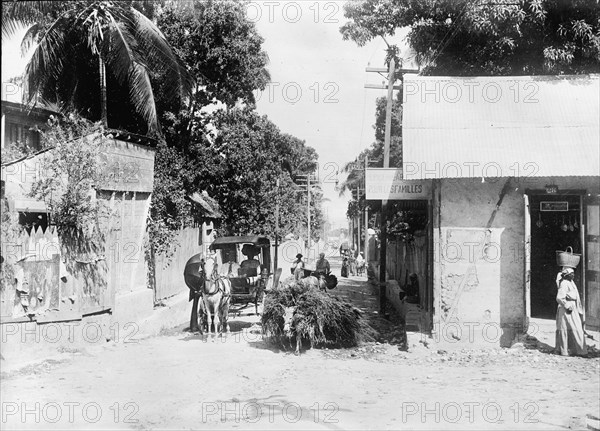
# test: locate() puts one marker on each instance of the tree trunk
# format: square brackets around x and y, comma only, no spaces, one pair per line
[103,98]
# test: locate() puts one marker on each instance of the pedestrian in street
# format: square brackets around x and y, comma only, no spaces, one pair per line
[569,330]
[360,263]
[345,267]
[322,266]
[352,263]
[298,267]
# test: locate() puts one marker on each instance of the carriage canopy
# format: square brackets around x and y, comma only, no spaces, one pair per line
[223,242]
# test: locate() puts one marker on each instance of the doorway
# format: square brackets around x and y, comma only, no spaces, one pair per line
[410,258]
[555,225]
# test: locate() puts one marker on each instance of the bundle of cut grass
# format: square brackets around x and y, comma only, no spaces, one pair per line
[276,303]
[308,314]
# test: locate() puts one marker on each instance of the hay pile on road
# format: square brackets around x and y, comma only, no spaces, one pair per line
[294,310]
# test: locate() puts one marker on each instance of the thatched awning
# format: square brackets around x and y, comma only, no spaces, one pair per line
[208,206]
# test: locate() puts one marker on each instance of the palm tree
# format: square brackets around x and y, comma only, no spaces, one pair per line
[355,178]
[82,43]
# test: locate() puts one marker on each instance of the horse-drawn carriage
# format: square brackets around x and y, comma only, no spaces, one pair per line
[229,279]
[247,264]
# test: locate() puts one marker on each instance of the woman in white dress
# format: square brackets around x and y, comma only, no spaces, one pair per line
[569,330]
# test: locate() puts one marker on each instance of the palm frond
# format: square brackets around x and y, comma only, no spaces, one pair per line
[123,58]
[159,54]
[18,14]
[47,60]
[349,166]
[142,95]
[119,50]
[29,39]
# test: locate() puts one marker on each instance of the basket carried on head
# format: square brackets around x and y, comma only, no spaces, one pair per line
[567,258]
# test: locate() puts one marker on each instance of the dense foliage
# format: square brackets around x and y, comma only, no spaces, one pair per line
[504,37]
[71,170]
[210,140]
[220,48]
[97,57]
[229,151]
[466,38]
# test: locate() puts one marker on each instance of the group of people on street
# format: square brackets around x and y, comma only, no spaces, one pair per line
[353,262]
[322,267]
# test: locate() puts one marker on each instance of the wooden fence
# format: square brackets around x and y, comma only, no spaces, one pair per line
[44,286]
[34,284]
[168,273]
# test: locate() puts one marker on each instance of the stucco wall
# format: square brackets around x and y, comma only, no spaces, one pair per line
[481,274]
[480,297]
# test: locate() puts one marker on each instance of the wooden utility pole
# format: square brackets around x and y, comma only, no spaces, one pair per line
[366,238]
[308,212]
[357,215]
[308,178]
[386,164]
[276,257]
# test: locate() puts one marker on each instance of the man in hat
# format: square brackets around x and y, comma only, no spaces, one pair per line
[322,266]
[298,267]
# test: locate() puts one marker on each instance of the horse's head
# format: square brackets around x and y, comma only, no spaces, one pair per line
[288,320]
[209,271]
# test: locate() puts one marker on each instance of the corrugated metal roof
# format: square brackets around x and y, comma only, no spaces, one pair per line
[534,126]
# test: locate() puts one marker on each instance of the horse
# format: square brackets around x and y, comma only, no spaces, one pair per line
[216,294]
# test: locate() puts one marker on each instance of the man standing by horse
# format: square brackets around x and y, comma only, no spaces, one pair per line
[209,291]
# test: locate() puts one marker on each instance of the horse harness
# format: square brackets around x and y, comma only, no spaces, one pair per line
[217,279]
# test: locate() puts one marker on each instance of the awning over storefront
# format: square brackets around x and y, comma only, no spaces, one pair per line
[208,206]
[530,126]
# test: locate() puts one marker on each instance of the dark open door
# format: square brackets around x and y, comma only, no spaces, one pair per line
[590,234]
[527,262]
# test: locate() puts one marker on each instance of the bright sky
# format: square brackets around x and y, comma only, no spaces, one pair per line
[317,92]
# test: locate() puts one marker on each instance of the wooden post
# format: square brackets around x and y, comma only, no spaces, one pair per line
[386,164]
[275,258]
[308,226]
[358,219]
[386,161]
[366,239]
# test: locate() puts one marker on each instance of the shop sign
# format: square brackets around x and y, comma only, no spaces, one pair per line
[554,206]
[387,184]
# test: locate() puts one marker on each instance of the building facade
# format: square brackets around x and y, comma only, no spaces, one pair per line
[509,171]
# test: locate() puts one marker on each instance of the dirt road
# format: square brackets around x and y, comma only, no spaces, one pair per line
[180,380]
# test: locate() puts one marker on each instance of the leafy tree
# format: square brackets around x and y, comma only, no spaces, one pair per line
[220,47]
[241,168]
[89,50]
[234,154]
[503,37]
[70,171]
[463,37]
